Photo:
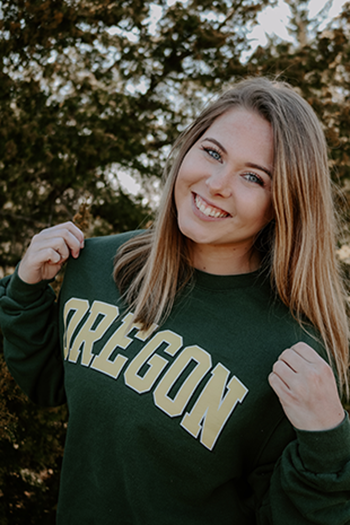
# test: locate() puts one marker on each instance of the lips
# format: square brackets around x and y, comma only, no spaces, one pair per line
[209,210]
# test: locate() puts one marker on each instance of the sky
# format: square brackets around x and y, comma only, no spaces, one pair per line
[272,20]
[275,19]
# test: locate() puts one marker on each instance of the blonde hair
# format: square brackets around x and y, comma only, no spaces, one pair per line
[299,244]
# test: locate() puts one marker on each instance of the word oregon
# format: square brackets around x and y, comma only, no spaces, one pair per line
[215,403]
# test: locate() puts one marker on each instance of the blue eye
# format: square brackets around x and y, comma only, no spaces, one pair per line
[213,153]
[252,177]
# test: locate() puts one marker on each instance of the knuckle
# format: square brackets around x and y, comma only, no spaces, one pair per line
[285,354]
[277,366]
[36,237]
[274,366]
[61,242]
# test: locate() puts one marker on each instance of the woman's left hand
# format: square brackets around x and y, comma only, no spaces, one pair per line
[306,387]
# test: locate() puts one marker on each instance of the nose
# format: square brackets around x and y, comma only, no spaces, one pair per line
[219,183]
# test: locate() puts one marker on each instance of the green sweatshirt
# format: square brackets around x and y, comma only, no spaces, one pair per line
[177,425]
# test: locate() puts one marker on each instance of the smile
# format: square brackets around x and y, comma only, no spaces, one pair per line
[208,210]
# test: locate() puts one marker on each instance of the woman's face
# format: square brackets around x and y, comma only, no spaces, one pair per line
[223,188]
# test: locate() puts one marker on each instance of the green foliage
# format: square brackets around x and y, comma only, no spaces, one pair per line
[318,65]
[31,450]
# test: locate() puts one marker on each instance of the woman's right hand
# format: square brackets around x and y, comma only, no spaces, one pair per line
[48,251]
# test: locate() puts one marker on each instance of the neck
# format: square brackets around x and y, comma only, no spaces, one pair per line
[221,260]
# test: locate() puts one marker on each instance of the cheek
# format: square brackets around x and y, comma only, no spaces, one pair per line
[181,188]
[177,191]
[188,170]
[258,211]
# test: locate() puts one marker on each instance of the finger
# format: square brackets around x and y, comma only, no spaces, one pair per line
[47,254]
[294,360]
[60,248]
[52,256]
[284,372]
[74,230]
[53,251]
[71,242]
[59,238]
[38,253]
[67,230]
[307,352]
[278,385]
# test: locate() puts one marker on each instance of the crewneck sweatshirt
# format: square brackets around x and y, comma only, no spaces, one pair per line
[176,425]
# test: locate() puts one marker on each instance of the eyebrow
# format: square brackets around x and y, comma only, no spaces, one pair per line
[256,166]
[249,164]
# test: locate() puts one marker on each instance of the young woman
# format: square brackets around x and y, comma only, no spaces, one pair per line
[196,370]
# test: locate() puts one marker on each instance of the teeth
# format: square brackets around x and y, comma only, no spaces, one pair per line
[208,210]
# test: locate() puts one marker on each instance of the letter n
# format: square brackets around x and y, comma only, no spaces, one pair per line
[212,409]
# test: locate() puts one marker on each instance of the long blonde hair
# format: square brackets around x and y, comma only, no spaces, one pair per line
[299,244]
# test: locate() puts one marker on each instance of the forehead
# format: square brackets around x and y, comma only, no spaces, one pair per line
[240,116]
[239,129]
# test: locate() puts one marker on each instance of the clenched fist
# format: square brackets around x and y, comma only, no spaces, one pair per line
[48,251]
[306,388]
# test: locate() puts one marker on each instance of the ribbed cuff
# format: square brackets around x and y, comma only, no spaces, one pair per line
[327,450]
[24,293]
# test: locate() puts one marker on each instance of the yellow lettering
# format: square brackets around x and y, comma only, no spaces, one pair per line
[174,407]
[80,307]
[156,363]
[119,339]
[101,313]
[212,410]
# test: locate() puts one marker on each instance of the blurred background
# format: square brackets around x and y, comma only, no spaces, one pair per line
[92,95]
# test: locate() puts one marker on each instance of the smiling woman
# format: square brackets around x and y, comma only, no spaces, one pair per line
[203,380]
[223,193]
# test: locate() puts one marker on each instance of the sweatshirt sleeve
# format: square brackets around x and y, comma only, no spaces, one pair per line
[29,323]
[310,483]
